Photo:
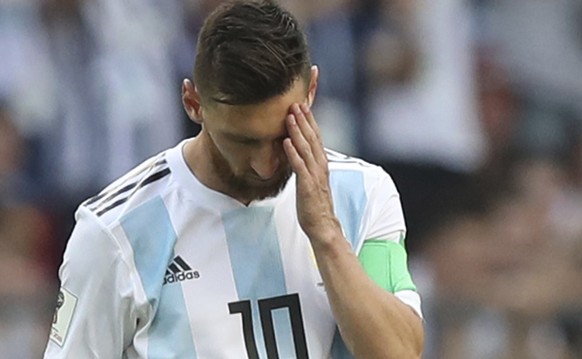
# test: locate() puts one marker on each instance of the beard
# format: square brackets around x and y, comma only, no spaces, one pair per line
[248,185]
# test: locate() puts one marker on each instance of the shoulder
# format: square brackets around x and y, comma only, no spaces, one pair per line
[365,198]
[341,160]
[145,182]
[346,168]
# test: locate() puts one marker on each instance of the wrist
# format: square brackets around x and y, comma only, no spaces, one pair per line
[330,239]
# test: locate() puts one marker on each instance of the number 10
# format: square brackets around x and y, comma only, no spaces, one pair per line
[266,306]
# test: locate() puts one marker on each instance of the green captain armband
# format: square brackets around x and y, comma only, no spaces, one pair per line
[386,263]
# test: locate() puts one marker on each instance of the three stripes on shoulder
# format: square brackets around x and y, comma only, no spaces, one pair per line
[119,193]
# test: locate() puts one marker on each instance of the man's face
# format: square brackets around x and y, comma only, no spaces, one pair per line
[246,144]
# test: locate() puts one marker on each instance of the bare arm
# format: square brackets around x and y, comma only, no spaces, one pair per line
[372,321]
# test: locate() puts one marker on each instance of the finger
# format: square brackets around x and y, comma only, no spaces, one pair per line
[300,142]
[313,133]
[297,164]
[311,119]
[304,123]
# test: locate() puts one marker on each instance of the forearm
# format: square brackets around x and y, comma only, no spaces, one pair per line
[372,322]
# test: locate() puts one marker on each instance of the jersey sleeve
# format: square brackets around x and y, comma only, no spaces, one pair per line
[94,317]
[383,254]
[385,216]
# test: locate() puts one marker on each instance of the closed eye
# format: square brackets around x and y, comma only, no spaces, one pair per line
[241,139]
[247,141]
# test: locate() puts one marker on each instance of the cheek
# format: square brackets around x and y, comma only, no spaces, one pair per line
[237,159]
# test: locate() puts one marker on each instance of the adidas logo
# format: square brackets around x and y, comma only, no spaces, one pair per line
[179,271]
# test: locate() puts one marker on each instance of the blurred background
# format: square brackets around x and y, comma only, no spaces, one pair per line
[473,106]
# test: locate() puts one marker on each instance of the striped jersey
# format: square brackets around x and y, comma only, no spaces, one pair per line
[160,266]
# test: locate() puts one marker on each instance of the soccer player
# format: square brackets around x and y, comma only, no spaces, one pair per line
[250,240]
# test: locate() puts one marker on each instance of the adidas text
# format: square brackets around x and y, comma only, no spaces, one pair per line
[181,276]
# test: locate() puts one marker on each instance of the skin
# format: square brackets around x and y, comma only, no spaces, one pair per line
[282,135]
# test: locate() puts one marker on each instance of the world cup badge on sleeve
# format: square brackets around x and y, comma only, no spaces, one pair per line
[66,303]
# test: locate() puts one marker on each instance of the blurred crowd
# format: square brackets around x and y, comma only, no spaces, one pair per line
[473,106]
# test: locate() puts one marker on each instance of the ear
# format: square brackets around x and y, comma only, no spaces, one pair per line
[191,101]
[312,89]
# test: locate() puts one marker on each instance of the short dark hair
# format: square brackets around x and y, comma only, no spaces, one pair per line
[249,51]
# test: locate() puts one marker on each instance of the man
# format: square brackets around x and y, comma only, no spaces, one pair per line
[242,242]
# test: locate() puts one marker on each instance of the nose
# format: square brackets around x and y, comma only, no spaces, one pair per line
[266,162]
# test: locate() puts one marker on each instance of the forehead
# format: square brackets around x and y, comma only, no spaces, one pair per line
[258,121]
